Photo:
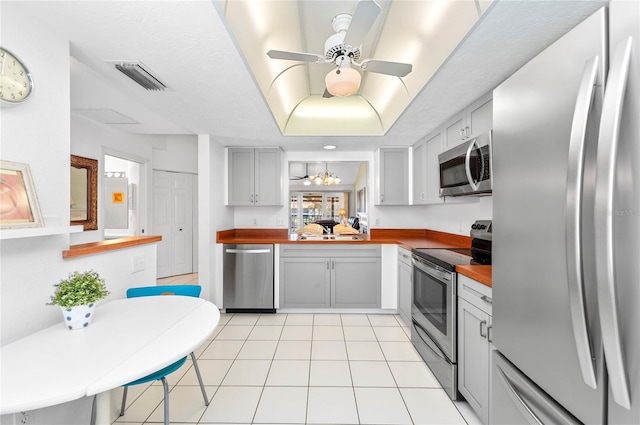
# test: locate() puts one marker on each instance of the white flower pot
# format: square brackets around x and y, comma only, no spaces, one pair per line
[78,317]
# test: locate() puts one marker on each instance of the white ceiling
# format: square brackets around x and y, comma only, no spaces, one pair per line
[187,45]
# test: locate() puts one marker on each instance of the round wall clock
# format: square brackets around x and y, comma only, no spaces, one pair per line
[16,83]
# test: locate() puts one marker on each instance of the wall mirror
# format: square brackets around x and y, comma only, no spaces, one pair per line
[84,192]
[321,190]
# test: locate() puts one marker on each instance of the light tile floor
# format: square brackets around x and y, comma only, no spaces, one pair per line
[302,369]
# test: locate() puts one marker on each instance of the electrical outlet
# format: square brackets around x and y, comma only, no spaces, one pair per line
[279,222]
[255,221]
[377,222]
[137,264]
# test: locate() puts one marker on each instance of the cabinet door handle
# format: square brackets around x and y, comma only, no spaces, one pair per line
[486,299]
[256,198]
[483,332]
[381,197]
[333,265]
[251,198]
[327,264]
[489,337]
[466,132]
[462,134]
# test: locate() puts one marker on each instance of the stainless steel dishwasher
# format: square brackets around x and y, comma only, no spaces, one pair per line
[248,278]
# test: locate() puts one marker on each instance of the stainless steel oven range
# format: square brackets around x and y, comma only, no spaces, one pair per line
[434,309]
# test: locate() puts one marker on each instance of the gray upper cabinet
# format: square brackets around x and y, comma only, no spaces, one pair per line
[419,173]
[476,119]
[255,176]
[426,170]
[392,176]
[454,130]
[480,116]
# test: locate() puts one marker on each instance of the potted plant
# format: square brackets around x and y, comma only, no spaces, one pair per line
[77,296]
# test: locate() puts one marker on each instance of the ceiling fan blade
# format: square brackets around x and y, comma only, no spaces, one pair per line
[326,94]
[397,69]
[295,56]
[363,18]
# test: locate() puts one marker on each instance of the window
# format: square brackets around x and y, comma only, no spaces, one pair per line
[308,207]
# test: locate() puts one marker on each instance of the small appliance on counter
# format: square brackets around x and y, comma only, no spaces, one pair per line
[434,309]
[481,232]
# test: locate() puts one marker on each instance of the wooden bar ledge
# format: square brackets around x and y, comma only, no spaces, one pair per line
[108,245]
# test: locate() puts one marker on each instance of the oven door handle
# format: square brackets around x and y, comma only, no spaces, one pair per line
[431,271]
[428,342]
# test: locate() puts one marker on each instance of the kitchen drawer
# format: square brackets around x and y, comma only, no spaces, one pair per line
[304,250]
[404,256]
[475,293]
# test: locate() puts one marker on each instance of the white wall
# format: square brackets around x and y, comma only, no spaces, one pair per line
[176,153]
[213,216]
[38,132]
[92,140]
[452,217]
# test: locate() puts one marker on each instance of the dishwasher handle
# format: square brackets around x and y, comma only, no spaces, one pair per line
[248,251]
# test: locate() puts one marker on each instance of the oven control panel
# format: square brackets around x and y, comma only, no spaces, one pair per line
[481,229]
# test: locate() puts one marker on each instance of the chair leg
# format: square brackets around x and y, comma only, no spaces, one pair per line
[166,400]
[124,401]
[195,366]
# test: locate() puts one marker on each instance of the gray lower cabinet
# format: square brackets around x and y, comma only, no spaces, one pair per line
[405,285]
[355,282]
[303,282]
[316,276]
[474,344]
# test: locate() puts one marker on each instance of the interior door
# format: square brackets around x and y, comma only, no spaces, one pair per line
[173,220]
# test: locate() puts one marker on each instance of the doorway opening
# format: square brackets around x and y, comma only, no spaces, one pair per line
[124,201]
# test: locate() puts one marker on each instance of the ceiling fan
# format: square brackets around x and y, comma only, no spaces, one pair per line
[306,178]
[343,50]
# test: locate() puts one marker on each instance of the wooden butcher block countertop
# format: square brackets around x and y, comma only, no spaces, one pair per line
[406,238]
[481,274]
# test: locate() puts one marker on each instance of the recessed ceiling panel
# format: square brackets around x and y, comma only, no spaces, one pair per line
[422,33]
[347,116]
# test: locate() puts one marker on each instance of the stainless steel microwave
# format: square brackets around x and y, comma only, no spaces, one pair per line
[466,169]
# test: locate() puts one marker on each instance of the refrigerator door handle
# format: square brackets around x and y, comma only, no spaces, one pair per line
[575,173]
[467,164]
[518,400]
[604,213]
[248,251]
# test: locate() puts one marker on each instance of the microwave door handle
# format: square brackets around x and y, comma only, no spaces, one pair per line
[467,164]
[608,139]
[573,222]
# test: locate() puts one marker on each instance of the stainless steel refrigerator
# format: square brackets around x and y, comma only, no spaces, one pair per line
[566,229]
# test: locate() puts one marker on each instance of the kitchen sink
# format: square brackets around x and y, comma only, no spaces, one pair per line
[329,238]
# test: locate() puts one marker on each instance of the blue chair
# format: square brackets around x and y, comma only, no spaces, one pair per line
[146,291]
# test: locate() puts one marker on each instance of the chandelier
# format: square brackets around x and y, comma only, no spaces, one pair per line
[327,178]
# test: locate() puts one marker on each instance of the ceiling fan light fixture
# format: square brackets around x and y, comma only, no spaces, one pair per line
[343,81]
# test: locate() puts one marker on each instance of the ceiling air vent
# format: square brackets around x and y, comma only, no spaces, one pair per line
[137,72]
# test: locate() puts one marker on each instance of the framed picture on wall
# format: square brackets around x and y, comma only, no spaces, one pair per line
[18,202]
